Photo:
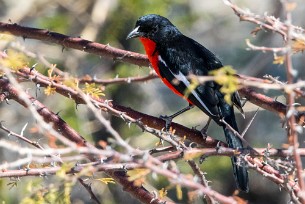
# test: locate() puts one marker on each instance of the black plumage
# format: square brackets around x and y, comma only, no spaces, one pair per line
[179,56]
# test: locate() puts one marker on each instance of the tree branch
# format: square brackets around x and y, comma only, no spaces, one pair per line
[74,43]
[8,91]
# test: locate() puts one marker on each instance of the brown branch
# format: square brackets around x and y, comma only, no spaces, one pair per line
[272,174]
[121,111]
[9,92]
[266,22]
[126,56]
[264,101]
[89,189]
[268,79]
[225,151]
[260,100]
[119,175]
[74,43]
[128,80]
[104,50]
[291,130]
[35,144]
[197,171]
[270,104]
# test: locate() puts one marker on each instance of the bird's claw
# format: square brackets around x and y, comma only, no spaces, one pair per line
[168,121]
[204,130]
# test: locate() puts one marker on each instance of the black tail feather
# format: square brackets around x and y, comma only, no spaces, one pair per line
[239,165]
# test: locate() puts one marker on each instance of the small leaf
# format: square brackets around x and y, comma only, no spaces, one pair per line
[162,193]
[64,168]
[279,59]
[93,90]
[290,6]
[193,85]
[49,90]
[54,77]
[256,30]
[159,143]
[71,82]
[229,83]
[138,175]
[298,45]
[189,155]
[14,60]
[106,180]
[179,192]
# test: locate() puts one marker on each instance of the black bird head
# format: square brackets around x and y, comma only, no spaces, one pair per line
[154,27]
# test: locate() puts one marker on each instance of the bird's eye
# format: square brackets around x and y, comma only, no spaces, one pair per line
[155,29]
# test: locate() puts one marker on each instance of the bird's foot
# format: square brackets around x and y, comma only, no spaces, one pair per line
[168,121]
[204,130]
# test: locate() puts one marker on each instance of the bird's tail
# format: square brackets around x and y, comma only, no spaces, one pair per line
[239,166]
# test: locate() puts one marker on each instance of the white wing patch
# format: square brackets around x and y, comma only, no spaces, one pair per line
[161,60]
[186,82]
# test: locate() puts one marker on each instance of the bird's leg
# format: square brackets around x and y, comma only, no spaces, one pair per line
[168,119]
[205,128]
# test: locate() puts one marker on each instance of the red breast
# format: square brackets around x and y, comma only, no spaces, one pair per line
[150,49]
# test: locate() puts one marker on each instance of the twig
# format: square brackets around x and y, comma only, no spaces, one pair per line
[249,124]
[75,43]
[128,114]
[291,131]
[118,80]
[203,180]
[35,144]
[89,189]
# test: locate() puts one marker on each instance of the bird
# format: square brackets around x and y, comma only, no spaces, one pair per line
[175,57]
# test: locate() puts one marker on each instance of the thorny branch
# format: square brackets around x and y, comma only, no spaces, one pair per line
[117,166]
[291,125]
[294,42]
[149,162]
[23,98]
[74,43]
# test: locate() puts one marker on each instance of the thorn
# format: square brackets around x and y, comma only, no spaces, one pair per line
[106,102]
[205,128]
[27,169]
[249,124]
[22,131]
[1,123]
[7,101]
[244,102]
[33,67]
[122,116]
[202,159]
[218,146]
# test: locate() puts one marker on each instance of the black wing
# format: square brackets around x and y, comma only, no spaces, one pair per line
[184,57]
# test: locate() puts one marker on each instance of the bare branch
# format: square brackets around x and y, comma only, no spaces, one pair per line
[74,43]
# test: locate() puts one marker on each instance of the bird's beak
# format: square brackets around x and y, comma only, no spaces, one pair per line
[133,34]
